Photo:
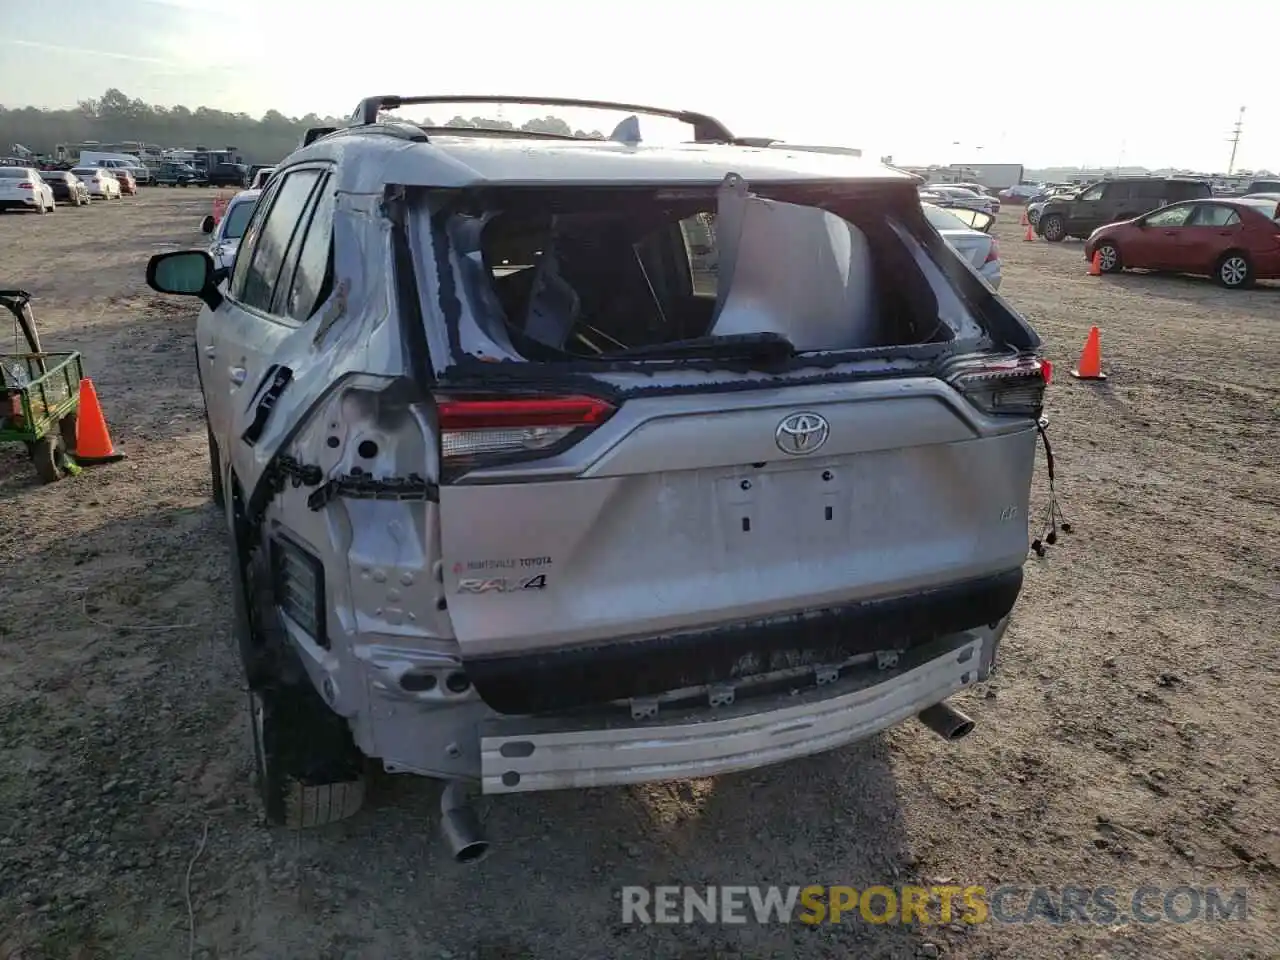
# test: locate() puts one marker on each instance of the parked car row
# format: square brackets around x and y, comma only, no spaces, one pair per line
[965,196]
[26,188]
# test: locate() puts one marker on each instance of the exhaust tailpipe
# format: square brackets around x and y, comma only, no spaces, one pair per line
[946,721]
[460,825]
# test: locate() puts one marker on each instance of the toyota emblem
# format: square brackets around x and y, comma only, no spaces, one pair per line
[802,433]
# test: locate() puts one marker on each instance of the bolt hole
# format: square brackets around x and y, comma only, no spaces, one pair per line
[510,778]
[442,604]
[745,485]
[367,449]
[332,442]
[827,475]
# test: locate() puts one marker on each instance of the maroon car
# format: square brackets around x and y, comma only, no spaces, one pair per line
[1234,240]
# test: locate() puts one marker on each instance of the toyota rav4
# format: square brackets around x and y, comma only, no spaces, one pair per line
[556,462]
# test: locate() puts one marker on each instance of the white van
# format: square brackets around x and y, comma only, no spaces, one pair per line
[116,161]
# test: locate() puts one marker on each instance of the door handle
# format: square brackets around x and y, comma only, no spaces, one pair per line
[210,352]
[238,375]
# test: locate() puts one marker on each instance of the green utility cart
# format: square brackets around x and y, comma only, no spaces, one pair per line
[39,395]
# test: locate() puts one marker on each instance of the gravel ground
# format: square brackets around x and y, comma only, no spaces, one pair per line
[1126,740]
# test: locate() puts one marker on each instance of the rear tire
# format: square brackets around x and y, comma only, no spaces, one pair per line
[1234,271]
[49,458]
[308,773]
[67,430]
[1053,228]
[309,770]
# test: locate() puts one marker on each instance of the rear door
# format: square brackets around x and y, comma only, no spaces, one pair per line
[1121,202]
[240,340]
[1210,231]
[1087,212]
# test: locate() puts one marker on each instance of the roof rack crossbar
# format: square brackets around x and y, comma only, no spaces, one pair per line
[705,129]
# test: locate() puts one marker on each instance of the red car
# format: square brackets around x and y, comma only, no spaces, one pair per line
[128,185]
[1234,240]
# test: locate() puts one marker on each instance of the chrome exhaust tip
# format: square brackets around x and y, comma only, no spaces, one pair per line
[460,825]
[946,721]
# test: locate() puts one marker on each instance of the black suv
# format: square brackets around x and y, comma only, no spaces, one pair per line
[229,175]
[1110,201]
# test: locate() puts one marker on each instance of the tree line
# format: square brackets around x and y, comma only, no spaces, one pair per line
[115,117]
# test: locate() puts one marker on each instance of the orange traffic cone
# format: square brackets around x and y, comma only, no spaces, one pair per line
[1095,265]
[1030,234]
[1024,221]
[1090,367]
[93,441]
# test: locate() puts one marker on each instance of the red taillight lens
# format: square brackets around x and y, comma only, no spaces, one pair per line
[1009,387]
[993,253]
[513,426]
[26,185]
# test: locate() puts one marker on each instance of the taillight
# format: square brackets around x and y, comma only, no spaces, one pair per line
[26,185]
[1008,387]
[992,254]
[516,428]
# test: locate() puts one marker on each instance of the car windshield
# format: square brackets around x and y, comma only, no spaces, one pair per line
[14,173]
[237,220]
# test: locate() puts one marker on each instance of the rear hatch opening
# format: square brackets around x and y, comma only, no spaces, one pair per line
[592,279]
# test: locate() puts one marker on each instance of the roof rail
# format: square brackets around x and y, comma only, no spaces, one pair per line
[705,129]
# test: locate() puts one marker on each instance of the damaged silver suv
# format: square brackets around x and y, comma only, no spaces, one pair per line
[558,462]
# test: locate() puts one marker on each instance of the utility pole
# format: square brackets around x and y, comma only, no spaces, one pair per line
[1235,141]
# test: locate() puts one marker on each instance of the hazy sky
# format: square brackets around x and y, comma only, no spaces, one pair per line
[1130,81]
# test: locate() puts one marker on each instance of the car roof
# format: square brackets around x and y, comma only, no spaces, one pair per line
[1149,179]
[243,196]
[462,160]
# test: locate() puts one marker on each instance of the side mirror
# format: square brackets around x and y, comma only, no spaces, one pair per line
[186,273]
[207,224]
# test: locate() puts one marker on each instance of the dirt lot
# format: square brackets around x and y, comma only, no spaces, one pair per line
[1129,738]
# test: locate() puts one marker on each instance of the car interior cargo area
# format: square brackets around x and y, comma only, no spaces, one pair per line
[574,274]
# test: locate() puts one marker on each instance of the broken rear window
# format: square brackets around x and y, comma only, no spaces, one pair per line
[548,275]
